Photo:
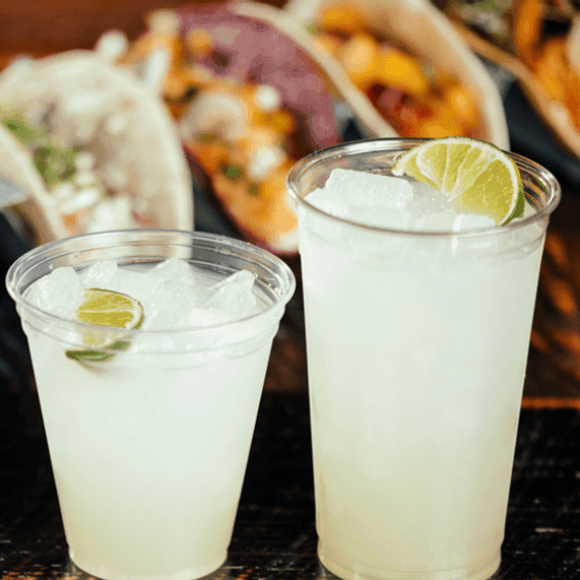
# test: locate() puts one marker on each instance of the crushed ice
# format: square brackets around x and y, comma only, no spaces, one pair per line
[58,293]
[392,202]
[173,297]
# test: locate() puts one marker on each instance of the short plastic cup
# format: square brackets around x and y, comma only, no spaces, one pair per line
[417,345]
[149,447]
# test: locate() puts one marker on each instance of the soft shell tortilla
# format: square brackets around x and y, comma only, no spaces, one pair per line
[553,113]
[279,27]
[294,28]
[17,167]
[159,172]
[422,28]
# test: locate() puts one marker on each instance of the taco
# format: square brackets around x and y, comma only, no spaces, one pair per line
[410,65]
[91,148]
[539,44]
[249,100]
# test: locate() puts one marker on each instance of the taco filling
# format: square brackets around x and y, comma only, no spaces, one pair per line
[91,147]
[543,36]
[86,188]
[409,91]
[248,103]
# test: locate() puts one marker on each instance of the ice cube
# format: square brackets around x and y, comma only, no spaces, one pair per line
[472,221]
[366,198]
[204,317]
[135,284]
[369,189]
[234,294]
[58,293]
[324,200]
[169,306]
[440,221]
[174,269]
[98,275]
[425,190]
[426,200]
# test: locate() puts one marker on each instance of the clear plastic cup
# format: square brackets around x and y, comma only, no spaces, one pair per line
[417,345]
[149,446]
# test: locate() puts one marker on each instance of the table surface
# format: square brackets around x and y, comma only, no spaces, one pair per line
[274,536]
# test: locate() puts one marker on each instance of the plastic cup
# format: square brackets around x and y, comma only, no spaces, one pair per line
[149,446]
[416,346]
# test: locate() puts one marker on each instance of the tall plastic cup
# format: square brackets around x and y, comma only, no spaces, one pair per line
[149,443]
[417,345]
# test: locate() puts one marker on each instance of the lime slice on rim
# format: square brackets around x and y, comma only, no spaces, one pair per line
[105,308]
[476,175]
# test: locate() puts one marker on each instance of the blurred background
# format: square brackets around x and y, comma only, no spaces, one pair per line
[191,115]
[43,27]
[515,104]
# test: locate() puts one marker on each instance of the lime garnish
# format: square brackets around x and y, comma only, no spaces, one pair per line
[476,175]
[105,308]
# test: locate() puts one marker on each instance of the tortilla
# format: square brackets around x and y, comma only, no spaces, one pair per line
[214,95]
[418,26]
[103,110]
[552,112]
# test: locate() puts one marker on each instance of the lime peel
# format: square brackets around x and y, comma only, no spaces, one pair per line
[106,308]
[477,176]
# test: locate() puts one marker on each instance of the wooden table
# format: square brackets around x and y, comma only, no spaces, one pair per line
[275,536]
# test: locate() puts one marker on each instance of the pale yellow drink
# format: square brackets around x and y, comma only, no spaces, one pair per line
[417,345]
[149,446]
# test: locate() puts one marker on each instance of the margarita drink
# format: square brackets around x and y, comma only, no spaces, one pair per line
[417,327]
[149,446]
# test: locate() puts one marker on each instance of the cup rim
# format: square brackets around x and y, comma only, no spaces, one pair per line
[20,267]
[403,144]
